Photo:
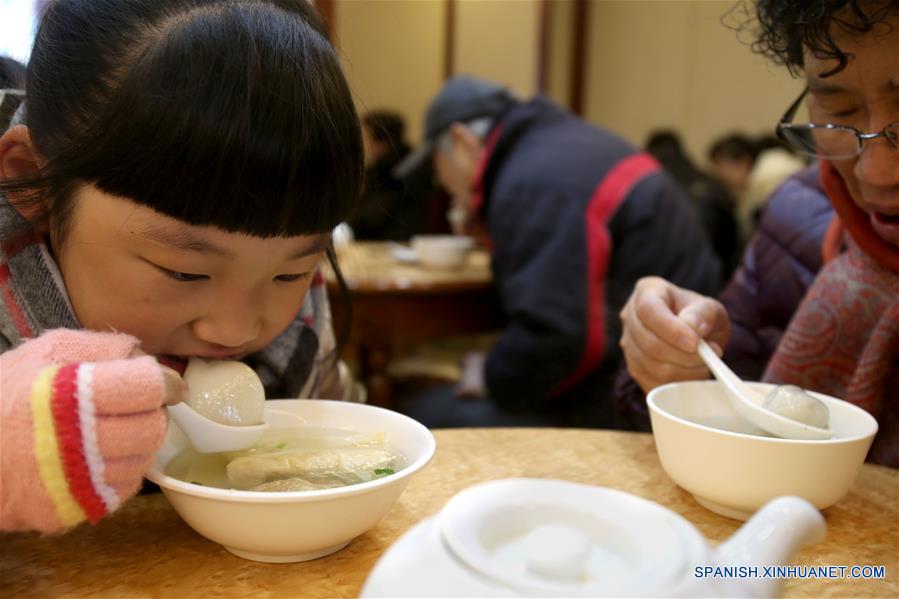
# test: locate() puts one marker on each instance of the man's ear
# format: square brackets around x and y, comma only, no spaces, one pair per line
[18,158]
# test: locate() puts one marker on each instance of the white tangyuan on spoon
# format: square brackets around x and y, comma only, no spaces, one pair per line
[794,403]
[225,391]
[785,412]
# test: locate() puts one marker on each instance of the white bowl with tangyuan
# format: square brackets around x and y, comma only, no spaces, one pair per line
[732,467]
[298,525]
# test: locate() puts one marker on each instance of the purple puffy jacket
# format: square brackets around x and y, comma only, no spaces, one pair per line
[778,266]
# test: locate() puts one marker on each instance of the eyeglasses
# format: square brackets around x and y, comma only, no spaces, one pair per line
[827,141]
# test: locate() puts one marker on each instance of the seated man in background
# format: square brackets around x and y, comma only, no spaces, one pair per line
[816,301]
[574,216]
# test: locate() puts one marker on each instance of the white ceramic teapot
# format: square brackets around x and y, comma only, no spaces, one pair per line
[537,537]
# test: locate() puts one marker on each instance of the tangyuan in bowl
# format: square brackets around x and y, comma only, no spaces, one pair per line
[733,468]
[326,473]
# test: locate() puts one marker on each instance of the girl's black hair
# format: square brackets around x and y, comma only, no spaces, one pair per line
[783,28]
[230,113]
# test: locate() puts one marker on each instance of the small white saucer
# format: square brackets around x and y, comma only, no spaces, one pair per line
[403,254]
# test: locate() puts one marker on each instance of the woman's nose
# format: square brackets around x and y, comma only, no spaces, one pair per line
[878,165]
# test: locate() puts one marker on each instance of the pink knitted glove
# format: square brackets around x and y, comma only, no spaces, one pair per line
[81,420]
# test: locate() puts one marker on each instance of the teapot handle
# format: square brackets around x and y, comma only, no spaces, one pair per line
[774,534]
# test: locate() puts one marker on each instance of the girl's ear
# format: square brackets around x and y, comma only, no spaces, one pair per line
[18,158]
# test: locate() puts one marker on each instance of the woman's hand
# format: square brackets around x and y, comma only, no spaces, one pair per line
[662,325]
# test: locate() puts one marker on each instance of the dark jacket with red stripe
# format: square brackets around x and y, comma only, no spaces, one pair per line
[778,266]
[576,215]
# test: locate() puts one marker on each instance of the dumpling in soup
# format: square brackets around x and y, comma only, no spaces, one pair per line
[341,466]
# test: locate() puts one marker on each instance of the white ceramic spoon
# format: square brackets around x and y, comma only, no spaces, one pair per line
[749,403]
[208,436]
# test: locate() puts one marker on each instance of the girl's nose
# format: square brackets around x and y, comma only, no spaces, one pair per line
[229,325]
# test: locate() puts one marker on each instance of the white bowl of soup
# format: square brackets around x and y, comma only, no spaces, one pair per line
[325,473]
[733,468]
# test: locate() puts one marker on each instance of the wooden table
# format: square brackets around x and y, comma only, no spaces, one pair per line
[145,550]
[397,304]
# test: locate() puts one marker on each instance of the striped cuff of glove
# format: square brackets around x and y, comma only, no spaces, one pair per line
[66,444]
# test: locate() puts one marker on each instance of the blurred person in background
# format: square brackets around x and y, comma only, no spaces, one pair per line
[390,208]
[731,158]
[575,216]
[711,196]
[752,168]
[815,302]
[12,84]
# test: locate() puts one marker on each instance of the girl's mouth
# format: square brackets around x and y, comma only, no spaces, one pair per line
[176,363]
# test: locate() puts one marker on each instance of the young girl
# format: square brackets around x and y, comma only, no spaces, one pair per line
[168,188]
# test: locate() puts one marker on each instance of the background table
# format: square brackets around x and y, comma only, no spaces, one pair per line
[145,550]
[397,304]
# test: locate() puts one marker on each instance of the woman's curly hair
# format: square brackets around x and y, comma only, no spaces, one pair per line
[781,29]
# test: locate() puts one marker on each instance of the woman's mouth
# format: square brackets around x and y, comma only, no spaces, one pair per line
[887,218]
[886,226]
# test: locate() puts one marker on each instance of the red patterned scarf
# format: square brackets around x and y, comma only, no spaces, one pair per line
[844,338]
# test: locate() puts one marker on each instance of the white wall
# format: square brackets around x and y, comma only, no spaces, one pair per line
[499,40]
[649,64]
[17,24]
[674,64]
[392,54]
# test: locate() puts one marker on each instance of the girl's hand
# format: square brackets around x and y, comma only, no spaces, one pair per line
[82,417]
[175,387]
[662,325]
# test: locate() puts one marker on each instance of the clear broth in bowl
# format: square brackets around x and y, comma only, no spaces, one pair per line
[292,459]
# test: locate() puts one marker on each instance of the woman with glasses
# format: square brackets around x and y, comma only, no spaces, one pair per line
[835,330]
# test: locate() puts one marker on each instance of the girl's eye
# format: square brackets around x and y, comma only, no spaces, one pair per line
[291,278]
[184,277]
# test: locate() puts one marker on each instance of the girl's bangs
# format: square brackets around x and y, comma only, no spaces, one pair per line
[257,135]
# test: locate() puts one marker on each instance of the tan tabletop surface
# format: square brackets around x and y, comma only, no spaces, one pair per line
[145,550]
[368,265]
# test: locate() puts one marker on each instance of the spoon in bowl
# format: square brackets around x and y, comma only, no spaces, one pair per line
[208,436]
[779,412]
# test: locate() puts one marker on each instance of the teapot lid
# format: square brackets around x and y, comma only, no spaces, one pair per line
[550,537]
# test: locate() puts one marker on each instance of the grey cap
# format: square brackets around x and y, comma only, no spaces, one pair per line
[462,99]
